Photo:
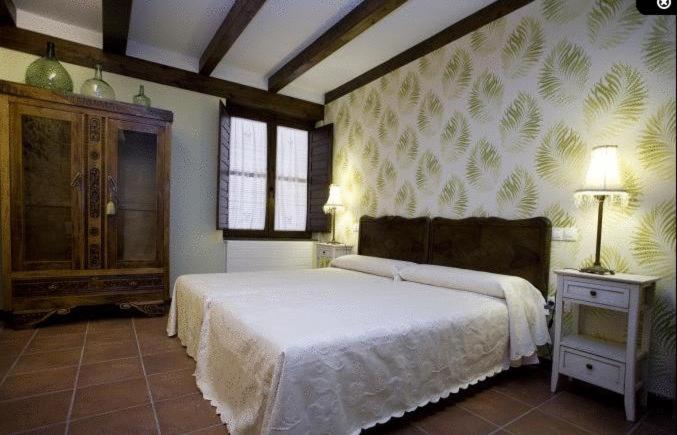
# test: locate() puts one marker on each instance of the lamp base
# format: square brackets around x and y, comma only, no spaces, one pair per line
[597,270]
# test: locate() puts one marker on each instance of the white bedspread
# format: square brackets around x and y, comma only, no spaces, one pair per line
[330,350]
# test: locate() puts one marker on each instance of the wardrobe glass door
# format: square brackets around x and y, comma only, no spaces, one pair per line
[47,197]
[134,208]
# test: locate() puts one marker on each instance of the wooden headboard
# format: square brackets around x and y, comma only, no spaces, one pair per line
[394,237]
[511,247]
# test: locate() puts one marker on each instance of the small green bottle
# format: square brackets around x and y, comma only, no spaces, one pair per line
[47,72]
[141,98]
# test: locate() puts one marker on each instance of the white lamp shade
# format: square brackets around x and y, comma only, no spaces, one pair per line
[334,201]
[603,176]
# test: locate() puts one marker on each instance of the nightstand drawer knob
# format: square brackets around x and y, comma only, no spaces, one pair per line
[588,366]
[593,293]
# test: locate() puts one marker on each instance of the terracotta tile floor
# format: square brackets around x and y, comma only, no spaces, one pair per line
[123,375]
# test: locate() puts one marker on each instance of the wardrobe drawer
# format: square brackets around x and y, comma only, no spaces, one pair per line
[127,282]
[591,368]
[614,296]
[49,287]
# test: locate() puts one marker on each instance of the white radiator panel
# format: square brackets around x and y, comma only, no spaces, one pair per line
[251,256]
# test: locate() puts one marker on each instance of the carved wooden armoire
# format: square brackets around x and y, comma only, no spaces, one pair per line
[85,203]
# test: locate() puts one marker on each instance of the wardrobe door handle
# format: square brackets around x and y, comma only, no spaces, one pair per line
[77,181]
[588,366]
[593,293]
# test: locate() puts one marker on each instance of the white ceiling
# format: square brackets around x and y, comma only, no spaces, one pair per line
[175,32]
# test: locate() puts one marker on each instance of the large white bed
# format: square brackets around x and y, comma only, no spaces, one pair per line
[341,349]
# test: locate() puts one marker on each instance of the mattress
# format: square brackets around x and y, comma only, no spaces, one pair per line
[332,350]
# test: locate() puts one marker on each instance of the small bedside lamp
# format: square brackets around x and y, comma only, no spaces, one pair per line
[603,180]
[333,203]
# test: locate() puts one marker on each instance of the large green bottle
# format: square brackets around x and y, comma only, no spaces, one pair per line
[47,72]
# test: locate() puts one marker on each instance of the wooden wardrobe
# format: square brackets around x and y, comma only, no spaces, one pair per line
[84,205]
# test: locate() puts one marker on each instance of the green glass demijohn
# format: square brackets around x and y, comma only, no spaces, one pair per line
[141,98]
[47,72]
[97,87]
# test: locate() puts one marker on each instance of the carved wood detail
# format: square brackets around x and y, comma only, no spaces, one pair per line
[94,129]
[94,192]
[83,286]
[149,309]
[28,319]
[94,255]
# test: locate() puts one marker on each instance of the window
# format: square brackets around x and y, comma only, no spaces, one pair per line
[291,182]
[274,175]
[247,175]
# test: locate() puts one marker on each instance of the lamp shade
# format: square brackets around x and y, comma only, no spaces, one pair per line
[603,176]
[334,201]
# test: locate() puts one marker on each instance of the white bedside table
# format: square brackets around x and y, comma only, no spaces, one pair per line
[328,251]
[610,365]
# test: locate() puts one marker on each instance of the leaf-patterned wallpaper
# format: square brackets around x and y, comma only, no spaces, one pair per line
[502,121]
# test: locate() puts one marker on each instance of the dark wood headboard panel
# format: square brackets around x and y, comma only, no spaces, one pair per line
[395,237]
[510,247]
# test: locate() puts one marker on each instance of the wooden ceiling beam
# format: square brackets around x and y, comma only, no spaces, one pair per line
[362,17]
[116,15]
[84,55]
[457,30]
[239,16]
[7,13]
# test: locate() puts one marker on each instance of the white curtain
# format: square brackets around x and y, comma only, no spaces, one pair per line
[247,175]
[291,182]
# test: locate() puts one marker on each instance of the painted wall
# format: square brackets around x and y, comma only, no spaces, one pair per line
[502,121]
[195,245]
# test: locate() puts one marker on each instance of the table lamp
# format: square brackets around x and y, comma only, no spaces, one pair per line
[603,180]
[333,203]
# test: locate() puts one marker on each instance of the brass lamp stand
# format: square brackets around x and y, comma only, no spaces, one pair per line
[597,267]
[602,181]
[334,203]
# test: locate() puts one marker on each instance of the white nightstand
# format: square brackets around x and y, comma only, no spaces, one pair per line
[328,251]
[610,365]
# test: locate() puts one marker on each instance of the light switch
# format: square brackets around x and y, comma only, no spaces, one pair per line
[557,233]
[566,234]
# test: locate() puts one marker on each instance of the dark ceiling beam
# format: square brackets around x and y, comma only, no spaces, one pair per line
[7,13]
[365,15]
[457,30]
[84,55]
[116,14]
[239,16]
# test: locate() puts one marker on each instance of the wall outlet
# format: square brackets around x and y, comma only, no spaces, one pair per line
[565,234]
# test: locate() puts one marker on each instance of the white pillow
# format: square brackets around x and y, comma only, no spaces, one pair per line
[490,284]
[372,265]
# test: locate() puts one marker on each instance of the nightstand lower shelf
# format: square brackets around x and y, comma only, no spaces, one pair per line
[606,349]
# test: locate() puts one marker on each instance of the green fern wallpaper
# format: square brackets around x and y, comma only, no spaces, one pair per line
[502,121]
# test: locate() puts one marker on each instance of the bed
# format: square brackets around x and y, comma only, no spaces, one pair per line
[341,349]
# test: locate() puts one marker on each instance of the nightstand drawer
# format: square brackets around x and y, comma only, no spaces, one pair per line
[605,373]
[614,296]
[325,252]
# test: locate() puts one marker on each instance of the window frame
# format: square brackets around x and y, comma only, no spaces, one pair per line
[272,122]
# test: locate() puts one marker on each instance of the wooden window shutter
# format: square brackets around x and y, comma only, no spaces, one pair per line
[224,166]
[319,176]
